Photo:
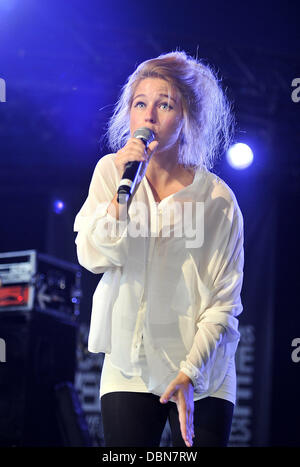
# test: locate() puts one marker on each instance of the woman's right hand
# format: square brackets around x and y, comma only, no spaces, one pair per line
[135,150]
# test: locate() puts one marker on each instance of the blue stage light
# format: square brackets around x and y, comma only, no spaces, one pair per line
[7,4]
[239,156]
[58,206]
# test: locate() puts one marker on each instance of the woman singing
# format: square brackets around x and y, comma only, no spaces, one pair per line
[165,310]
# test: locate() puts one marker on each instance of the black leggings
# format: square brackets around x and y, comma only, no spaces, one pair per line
[137,419]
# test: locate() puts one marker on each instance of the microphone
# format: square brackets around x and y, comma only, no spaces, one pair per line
[132,168]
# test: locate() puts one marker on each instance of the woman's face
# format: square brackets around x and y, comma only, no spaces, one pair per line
[157,105]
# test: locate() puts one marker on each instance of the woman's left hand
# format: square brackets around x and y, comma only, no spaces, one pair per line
[181,390]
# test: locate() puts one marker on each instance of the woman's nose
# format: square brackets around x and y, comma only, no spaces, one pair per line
[150,114]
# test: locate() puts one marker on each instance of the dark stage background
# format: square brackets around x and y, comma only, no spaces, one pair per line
[64,64]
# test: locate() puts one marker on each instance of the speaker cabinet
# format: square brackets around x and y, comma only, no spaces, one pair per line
[40,354]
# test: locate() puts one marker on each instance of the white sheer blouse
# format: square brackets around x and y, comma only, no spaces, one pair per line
[173,274]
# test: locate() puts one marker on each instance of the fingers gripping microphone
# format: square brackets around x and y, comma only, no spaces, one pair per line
[133,168]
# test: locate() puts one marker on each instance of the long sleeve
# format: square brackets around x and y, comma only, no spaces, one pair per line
[102,240]
[217,333]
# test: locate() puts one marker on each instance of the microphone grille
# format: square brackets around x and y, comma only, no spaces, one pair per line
[145,134]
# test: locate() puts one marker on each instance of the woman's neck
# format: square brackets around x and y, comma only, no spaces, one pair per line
[163,170]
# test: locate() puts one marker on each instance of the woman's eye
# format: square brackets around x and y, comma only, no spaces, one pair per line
[165,106]
[140,105]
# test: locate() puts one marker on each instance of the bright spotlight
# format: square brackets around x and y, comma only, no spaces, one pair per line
[239,156]
[58,206]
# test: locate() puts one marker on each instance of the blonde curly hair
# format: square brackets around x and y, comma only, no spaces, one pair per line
[208,119]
